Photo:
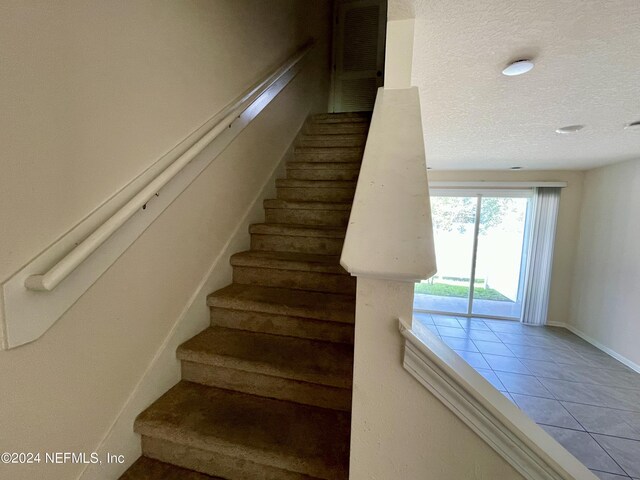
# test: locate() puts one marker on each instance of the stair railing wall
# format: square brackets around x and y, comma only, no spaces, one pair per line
[502,425]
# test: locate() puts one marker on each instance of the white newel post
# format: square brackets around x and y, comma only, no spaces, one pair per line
[388,247]
[379,381]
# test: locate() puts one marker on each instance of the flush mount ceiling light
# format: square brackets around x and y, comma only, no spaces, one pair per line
[570,129]
[633,126]
[518,68]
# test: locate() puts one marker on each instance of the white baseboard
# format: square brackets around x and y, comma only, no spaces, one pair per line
[164,370]
[555,324]
[632,365]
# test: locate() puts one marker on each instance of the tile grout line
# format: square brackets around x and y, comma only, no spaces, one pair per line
[610,456]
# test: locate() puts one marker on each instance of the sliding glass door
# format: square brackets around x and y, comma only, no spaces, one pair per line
[453,230]
[481,241]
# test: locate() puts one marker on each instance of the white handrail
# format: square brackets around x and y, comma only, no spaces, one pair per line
[56,274]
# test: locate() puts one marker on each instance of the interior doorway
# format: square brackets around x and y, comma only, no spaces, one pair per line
[481,242]
[358,54]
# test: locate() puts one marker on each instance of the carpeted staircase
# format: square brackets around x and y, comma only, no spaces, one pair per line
[266,390]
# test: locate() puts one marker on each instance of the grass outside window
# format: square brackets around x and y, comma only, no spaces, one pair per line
[447,290]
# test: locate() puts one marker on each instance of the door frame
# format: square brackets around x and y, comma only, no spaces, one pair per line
[479,193]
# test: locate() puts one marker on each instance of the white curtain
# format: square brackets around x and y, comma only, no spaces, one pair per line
[543,234]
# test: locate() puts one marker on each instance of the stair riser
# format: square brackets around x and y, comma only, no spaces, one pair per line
[215,463]
[295,216]
[283,243]
[300,280]
[282,325]
[332,141]
[316,194]
[328,155]
[268,386]
[308,174]
[344,128]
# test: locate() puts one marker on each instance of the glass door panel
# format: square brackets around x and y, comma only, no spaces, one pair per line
[453,229]
[500,257]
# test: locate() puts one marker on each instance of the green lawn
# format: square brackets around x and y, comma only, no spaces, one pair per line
[462,279]
[444,290]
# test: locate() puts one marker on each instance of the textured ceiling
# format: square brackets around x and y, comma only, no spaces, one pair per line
[587,55]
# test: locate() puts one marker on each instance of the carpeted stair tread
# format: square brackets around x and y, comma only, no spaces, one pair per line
[316,190]
[309,440]
[289,261]
[329,154]
[301,205]
[292,165]
[284,301]
[324,363]
[341,117]
[149,469]
[320,128]
[292,234]
[297,230]
[307,212]
[335,140]
[290,326]
[348,174]
[292,183]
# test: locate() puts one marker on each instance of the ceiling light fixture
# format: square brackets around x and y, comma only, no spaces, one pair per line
[570,129]
[632,126]
[518,68]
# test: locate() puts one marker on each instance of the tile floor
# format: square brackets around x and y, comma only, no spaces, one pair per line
[588,401]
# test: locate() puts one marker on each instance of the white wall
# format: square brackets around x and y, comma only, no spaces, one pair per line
[568,218]
[398,53]
[606,283]
[399,429]
[93,93]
